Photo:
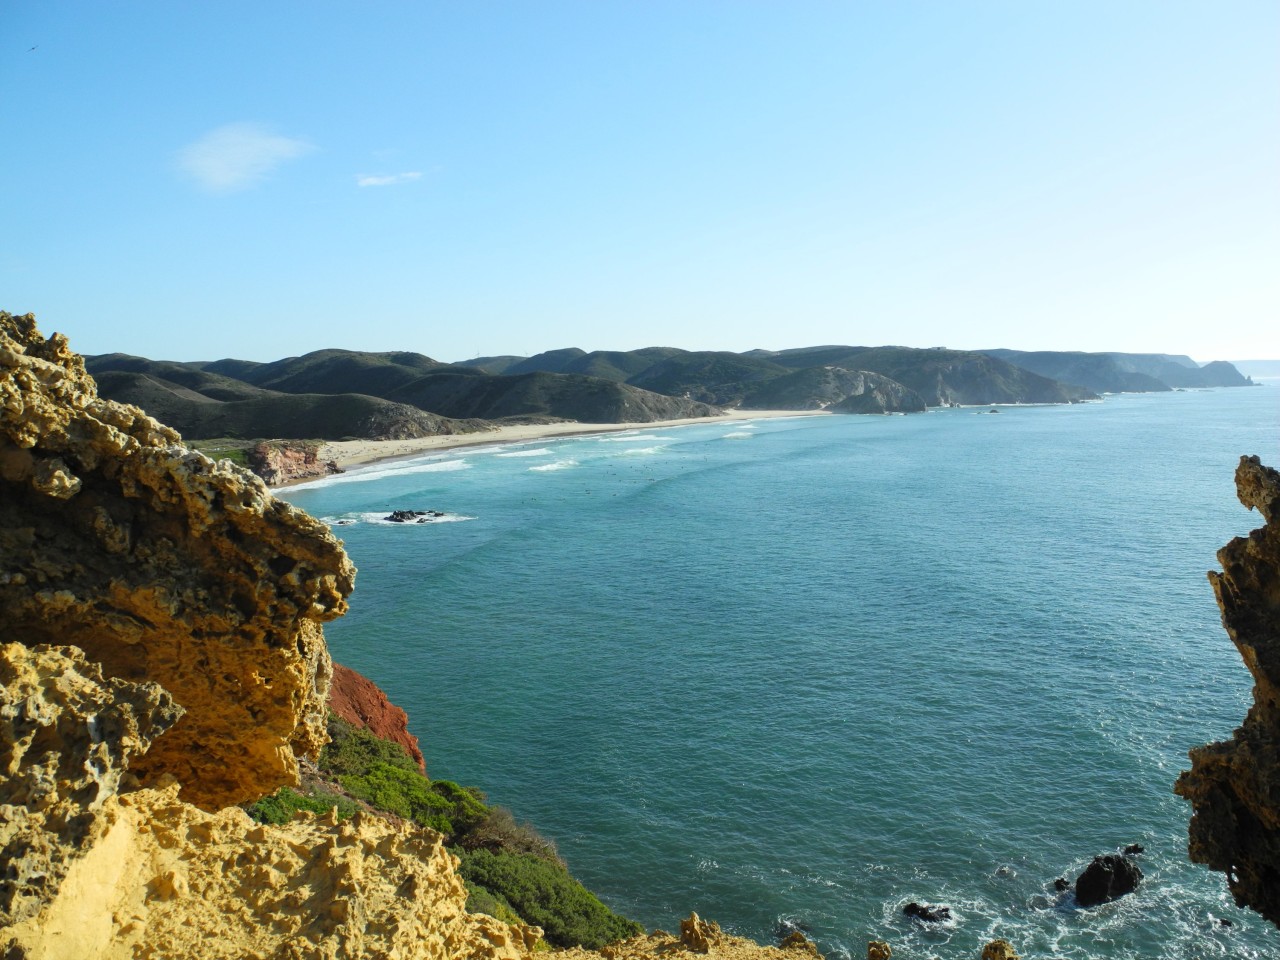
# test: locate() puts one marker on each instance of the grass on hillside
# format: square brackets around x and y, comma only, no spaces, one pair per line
[511,872]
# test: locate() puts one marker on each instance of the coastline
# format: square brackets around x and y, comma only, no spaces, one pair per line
[349,454]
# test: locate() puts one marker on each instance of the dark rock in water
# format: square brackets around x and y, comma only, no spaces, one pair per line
[926,913]
[413,516]
[993,410]
[1106,879]
[1133,848]
[1225,922]
[1062,883]
[1004,870]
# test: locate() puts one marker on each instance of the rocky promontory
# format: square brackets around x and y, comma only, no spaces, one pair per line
[1234,787]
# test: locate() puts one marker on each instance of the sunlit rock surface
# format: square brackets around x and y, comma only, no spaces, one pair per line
[163,566]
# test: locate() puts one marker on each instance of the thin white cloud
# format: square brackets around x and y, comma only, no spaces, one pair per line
[237,156]
[385,179]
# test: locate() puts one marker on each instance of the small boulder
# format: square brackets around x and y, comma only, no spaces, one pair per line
[1134,848]
[1061,884]
[878,950]
[1106,878]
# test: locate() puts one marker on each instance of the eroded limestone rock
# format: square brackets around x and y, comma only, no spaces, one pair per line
[161,878]
[66,736]
[1234,787]
[163,566]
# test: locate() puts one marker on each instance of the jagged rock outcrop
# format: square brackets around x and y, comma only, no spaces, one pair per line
[361,702]
[698,937]
[285,461]
[1107,878]
[166,567]
[1234,787]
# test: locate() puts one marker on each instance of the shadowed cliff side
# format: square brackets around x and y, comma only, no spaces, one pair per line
[1234,787]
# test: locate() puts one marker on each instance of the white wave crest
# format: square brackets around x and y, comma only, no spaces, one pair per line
[643,451]
[380,518]
[558,465]
[738,435]
[628,438]
[539,452]
[382,471]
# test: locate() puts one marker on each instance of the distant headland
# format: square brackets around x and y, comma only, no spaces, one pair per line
[342,401]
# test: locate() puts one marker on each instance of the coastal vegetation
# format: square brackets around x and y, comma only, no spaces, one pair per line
[510,870]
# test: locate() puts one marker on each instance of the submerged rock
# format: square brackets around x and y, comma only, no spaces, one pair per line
[1234,787]
[1107,878]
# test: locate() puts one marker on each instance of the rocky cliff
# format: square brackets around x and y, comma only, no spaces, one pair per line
[287,461]
[162,659]
[163,567]
[1234,787]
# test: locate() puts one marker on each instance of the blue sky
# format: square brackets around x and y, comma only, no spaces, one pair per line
[200,180]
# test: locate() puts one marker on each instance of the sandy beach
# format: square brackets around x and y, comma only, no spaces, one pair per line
[355,453]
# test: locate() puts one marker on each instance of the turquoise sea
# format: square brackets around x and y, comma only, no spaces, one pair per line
[802,671]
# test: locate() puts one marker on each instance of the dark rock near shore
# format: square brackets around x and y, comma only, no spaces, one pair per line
[1134,848]
[413,516]
[1062,884]
[1107,878]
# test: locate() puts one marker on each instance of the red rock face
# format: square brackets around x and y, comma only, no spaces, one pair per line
[359,701]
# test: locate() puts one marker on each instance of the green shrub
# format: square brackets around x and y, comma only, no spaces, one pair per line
[439,804]
[284,803]
[499,831]
[480,900]
[354,751]
[545,894]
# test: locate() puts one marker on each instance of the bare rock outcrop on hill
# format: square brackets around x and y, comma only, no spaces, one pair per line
[1234,787]
[361,702]
[285,461]
[163,566]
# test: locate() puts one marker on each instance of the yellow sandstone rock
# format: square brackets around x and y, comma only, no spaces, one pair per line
[169,663]
[163,566]
[999,950]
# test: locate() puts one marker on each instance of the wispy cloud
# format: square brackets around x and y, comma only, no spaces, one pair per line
[238,155]
[386,179]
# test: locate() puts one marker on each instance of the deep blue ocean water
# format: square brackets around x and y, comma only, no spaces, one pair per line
[810,669]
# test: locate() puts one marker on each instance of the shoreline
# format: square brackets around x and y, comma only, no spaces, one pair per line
[351,454]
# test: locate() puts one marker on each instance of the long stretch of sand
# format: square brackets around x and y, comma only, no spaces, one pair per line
[355,453]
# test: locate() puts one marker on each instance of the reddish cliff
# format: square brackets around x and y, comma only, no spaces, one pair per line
[360,701]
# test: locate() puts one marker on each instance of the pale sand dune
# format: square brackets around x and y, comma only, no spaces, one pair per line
[354,453]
